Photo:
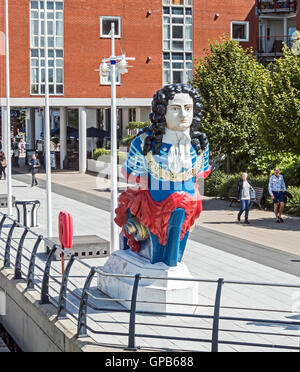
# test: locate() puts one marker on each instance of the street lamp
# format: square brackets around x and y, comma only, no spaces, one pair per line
[108,66]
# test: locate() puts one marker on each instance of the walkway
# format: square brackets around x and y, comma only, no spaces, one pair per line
[204,261]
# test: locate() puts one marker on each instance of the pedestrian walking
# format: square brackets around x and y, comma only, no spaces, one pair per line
[16,153]
[245,192]
[3,165]
[277,189]
[34,168]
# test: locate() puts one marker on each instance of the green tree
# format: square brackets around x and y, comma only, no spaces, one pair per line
[133,127]
[280,109]
[230,80]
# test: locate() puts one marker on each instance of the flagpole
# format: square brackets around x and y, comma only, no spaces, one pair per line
[47,131]
[8,122]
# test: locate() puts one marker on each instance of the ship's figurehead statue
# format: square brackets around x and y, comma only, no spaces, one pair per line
[165,162]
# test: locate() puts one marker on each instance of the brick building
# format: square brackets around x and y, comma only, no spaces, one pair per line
[165,36]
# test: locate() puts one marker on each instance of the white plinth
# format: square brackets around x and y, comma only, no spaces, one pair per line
[163,291]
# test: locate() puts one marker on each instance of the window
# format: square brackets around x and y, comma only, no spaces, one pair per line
[240,31]
[177,41]
[105,26]
[55,23]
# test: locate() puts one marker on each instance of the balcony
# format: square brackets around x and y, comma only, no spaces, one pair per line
[276,6]
[270,48]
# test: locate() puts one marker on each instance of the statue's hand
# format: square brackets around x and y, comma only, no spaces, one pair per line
[202,137]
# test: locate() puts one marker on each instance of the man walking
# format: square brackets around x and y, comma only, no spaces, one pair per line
[276,190]
[34,168]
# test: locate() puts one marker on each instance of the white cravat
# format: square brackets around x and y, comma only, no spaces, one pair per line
[180,152]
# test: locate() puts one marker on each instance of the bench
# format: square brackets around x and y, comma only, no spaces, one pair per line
[259,195]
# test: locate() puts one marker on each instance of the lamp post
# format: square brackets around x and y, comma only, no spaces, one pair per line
[47,131]
[7,148]
[108,66]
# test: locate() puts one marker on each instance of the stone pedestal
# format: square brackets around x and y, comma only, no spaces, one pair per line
[157,290]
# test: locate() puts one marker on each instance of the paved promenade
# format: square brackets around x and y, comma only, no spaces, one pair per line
[217,215]
[204,261]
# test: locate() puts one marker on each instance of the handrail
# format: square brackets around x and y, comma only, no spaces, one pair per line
[62,302]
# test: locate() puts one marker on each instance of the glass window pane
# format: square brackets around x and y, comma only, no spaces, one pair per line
[59,42]
[34,75]
[188,11]
[42,53]
[51,89]
[178,2]
[167,2]
[50,28]
[59,89]
[188,2]
[59,63]
[43,89]
[42,5]
[177,77]
[177,56]
[51,75]
[167,45]
[166,55]
[51,62]
[59,6]
[35,41]
[59,75]
[50,5]
[35,27]
[177,20]
[34,5]
[239,31]
[189,45]
[188,56]
[177,45]
[34,14]
[177,32]
[167,76]
[42,62]
[50,42]
[177,11]
[189,32]
[34,53]
[34,89]
[166,65]
[34,62]
[59,28]
[188,75]
[42,28]
[166,10]
[189,65]
[42,75]
[178,65]
[166,32]
[42,42]
[59,15]
[166,20]
[51,53]
[50,15]
[189,20]
[106,26]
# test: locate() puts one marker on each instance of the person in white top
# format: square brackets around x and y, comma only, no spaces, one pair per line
[244,187]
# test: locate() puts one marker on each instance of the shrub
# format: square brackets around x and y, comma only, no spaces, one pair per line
[102,152]
[293,205]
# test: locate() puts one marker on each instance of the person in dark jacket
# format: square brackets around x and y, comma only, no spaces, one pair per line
[3,165]
[34,168]
[244,190]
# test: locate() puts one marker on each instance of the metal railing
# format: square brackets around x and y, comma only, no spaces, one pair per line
[26,259]
[276,6]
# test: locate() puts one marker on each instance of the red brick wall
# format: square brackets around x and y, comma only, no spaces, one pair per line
[207,27]
[141,37]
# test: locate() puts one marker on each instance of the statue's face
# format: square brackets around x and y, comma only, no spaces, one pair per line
[179,114]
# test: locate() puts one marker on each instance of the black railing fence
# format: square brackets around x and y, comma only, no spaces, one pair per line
[80,304]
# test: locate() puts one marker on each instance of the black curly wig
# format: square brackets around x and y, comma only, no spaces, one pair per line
[158,121]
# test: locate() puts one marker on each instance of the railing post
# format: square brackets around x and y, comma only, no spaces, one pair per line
[18,265]
[8,246]
[2,222]
[30,276]
[131,336]
[62,303]
[215,331]
[82,315]
[45,284]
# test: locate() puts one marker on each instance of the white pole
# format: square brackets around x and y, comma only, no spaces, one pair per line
[8,125]
[114,165]
[47,131]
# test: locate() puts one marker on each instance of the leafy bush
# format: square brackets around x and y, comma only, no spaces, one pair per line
[293,205]
[213,181]
[102,152]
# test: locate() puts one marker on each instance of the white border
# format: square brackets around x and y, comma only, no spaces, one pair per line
[111,18]
[246,23]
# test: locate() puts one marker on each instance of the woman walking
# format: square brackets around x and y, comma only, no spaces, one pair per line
[245,192]
[3,165]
